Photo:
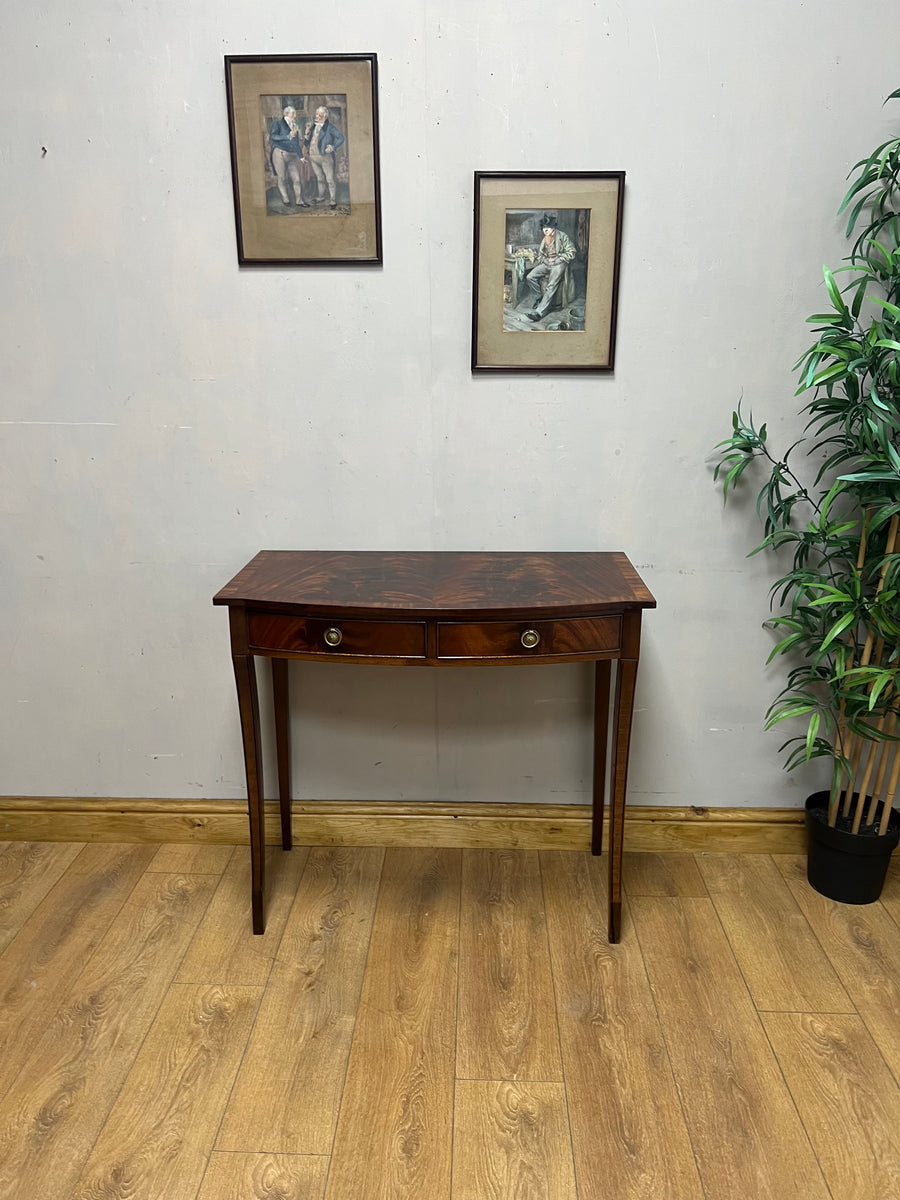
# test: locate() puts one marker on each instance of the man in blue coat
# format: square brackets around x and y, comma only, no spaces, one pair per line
[287,154]
[321,140]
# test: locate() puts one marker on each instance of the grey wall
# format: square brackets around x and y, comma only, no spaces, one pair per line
[155,433]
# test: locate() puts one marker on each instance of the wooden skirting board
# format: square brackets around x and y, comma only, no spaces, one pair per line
[346,823]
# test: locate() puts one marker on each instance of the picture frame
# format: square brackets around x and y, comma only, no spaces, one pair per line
[303,132]
[527,279]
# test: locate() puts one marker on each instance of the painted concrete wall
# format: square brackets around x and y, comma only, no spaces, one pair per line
[158,424]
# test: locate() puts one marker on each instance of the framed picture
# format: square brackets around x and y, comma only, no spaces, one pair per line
[304,158]
[546,273]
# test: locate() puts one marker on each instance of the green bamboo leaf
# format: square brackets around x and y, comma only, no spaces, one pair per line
[857,209]
[866,178]
[845,351]
[798,755]
[833,597]
[735,473]
[793,710]
[871,477]
[786,644]
[834,291]
[859,296]
[878,687]
[893,309]
[876,247]
[786,623]
[811,733]
[838,628]
[829,373]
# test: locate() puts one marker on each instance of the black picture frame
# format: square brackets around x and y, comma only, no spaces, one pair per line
[321,204]
[563,291]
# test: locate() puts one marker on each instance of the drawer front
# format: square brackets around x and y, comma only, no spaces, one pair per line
[336,638]
[516,639]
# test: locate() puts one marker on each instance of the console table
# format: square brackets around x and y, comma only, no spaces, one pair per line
[437,609]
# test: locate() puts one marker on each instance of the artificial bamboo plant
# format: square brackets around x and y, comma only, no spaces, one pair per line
[830,505]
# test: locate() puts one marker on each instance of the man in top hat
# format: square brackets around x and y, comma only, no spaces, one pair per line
[555,253]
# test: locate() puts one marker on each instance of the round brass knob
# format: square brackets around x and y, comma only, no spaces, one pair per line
[530,638]
[333,636]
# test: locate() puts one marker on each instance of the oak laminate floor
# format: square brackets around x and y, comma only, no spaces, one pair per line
[441,1025]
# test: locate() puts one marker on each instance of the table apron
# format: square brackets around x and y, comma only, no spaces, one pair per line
[435,642]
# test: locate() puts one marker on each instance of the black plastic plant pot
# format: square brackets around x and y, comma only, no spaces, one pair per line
[845,866]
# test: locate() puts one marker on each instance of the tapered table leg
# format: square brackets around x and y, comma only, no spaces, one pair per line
[626,677]
[283,746]
[248,704]
[601,736]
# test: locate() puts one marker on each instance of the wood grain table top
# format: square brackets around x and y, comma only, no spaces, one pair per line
[437,583]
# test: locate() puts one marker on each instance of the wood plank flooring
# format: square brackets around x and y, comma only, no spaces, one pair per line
[441,1024]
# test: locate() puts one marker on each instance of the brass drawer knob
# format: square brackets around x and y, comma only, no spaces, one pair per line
[530,638]
[333,636]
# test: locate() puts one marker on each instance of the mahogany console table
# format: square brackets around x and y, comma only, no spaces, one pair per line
[437,609]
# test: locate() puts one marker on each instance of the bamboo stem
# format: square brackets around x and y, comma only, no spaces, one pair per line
[834,799]
[865,658]
[886,757]
[889,798]
[844,738]
[857,745]
[863,789]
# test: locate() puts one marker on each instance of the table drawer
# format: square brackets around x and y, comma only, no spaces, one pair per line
[335,637]
[529,639]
